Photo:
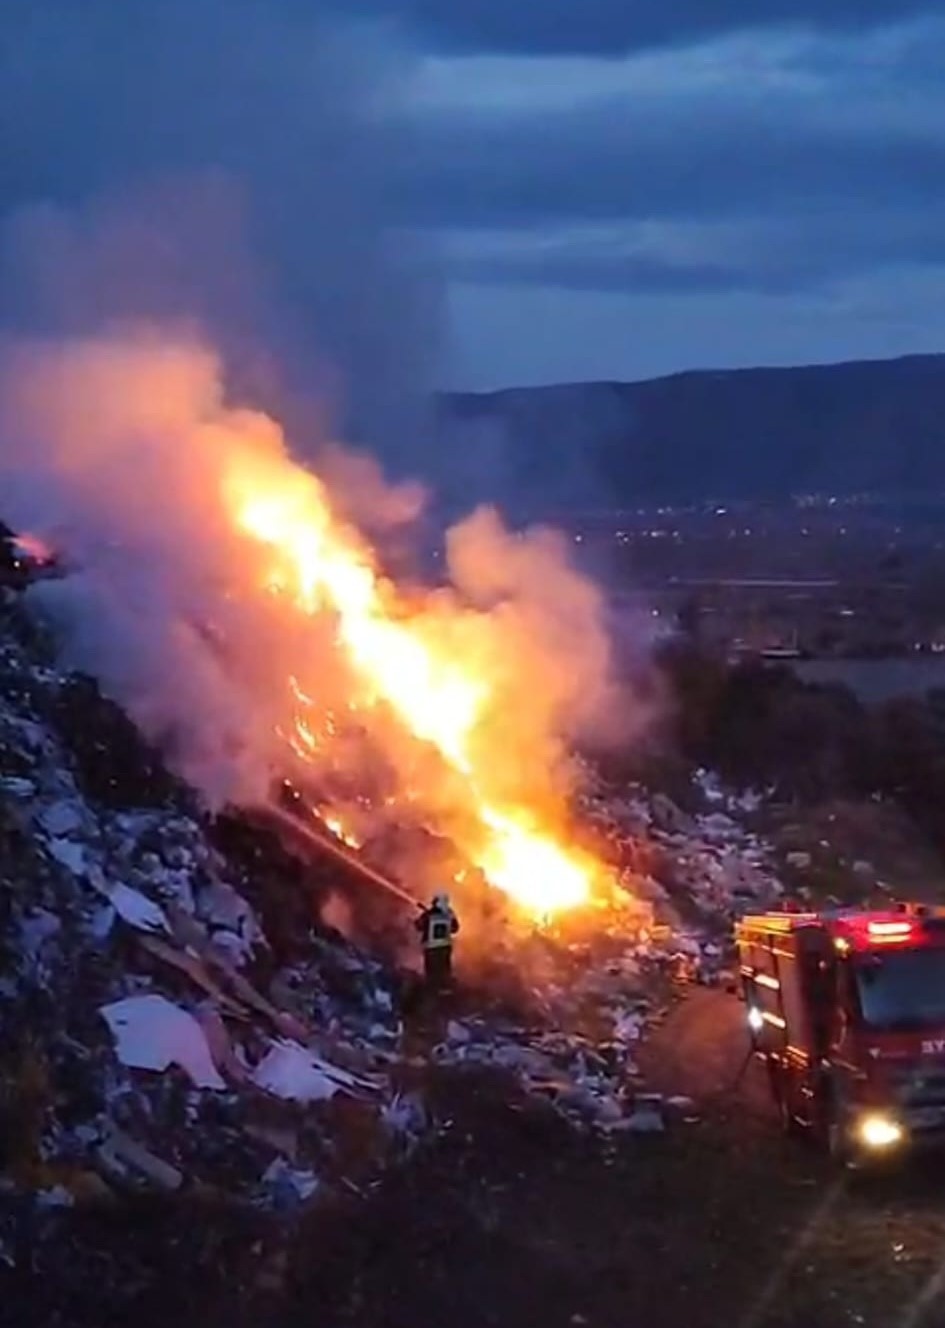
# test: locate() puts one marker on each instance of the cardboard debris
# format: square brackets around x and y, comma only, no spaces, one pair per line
[286,1024]
[292,1071]
[289,1071]
[195,969]
[643,1120]
[61,819]
[68,855]
[153,1034]
[137,910]
[221,1048]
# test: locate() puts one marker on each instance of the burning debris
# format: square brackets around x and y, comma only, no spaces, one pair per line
[187,1017]
[213,978]
[448,709]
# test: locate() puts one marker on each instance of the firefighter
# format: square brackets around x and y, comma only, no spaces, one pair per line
[437,926]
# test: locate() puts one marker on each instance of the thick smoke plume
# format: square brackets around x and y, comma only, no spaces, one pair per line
[117,450]
[200,282]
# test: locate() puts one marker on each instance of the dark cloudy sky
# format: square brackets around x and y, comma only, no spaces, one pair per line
[614,188]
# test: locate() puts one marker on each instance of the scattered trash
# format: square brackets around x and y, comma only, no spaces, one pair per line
[152,1034]
[136,910]
[406,1116]
[120,1153]
[60,818]
[292,1072]
[288,1185]
[200,950]
[67,854]
[56,1197]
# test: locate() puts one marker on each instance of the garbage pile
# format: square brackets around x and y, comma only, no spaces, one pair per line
[700,868]
[182,1018]
[156,1038]
[696,871]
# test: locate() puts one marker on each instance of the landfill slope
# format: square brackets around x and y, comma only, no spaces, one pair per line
[215,1106]
[184,1018]
[147,1005]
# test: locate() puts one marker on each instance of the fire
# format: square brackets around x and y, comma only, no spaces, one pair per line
[339,830]
[31,546]
[446,713]
[325,567]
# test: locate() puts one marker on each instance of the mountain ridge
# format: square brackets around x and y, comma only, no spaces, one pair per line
[738,371]
[747,433]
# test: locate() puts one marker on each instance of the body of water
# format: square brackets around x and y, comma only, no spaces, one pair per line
[876,680]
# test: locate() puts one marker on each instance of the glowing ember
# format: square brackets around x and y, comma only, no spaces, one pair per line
[404,660]
[30,546]
[337,828]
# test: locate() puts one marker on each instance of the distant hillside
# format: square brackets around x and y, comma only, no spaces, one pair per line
[749,433]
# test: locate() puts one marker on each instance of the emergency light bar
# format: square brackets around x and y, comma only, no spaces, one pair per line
[889,931]
[852,929]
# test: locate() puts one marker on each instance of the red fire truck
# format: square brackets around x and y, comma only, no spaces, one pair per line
[847,1011]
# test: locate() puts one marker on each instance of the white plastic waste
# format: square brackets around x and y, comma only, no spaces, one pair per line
[137,910]
[291,1071]
[151,1033]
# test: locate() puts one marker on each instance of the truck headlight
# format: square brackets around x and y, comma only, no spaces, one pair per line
[879,1131]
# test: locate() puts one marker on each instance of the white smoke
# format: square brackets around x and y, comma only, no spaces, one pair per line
[109,452]
[226,264]
[117,450]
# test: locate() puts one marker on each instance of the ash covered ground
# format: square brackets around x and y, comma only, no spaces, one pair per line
[218,1107]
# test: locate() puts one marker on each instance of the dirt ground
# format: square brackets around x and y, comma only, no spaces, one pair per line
[508,1218]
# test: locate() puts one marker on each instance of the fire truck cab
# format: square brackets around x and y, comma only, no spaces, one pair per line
[846,1009]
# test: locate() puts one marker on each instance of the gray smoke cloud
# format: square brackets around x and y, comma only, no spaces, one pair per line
[203,287]
[192,532]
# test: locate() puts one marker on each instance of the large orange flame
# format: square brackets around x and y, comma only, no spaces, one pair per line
[325,566]
[444,711]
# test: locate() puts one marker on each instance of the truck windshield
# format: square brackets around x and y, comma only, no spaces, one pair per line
[904,990]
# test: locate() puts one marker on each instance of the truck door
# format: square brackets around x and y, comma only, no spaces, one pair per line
[820,994]
[846,1006]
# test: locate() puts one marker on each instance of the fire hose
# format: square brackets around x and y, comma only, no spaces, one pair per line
[309,835]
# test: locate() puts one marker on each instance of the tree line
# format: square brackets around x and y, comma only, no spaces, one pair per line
[761,726]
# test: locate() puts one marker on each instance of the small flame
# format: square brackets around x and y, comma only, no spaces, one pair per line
[31,546]
[337,828]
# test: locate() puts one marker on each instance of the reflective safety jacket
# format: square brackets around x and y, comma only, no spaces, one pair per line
[437,927]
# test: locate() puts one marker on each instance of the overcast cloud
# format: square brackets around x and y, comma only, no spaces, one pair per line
[612,27]
[609,192]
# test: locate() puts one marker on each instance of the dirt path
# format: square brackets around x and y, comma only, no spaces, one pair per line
[701,1049]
